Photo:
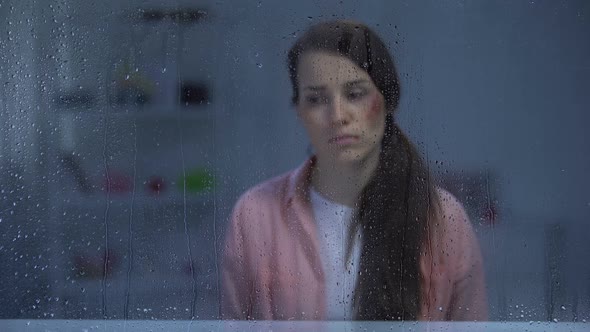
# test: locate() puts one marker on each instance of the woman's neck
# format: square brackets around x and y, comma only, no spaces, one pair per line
[342,184]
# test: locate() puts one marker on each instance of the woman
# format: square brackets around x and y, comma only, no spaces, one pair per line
[358,231]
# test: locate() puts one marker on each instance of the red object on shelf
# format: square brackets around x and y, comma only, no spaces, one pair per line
[156,185]
[117,182]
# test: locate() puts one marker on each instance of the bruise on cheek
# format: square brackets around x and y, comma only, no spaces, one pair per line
[375,107]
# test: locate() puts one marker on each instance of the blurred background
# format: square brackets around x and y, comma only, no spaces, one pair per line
[129,128]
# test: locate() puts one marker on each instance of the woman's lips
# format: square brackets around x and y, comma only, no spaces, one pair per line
[344,139]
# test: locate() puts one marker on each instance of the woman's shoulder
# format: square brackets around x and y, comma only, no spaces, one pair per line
[451,211]
[269,193]
[455,233]
[452,226]
[458,263]
[257,209]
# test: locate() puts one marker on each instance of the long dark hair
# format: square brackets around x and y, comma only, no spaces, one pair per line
[396,206]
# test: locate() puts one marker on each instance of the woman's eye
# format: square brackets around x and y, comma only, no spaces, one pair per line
[356,94]
[314,99]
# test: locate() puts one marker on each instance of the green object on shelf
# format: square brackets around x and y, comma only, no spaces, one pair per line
[197,180]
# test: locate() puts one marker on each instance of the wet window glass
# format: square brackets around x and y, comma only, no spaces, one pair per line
[260,160]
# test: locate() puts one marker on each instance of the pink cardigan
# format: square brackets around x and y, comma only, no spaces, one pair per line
[272,269]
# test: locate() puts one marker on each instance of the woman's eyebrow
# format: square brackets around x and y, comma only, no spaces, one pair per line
[314,87]
[355,82]
[346,85]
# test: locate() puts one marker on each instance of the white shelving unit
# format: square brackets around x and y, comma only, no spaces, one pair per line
[139,230]
[133,252]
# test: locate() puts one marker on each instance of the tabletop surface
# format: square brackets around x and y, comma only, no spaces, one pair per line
[267,326]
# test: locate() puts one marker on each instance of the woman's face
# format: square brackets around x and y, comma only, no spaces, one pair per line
[341,108]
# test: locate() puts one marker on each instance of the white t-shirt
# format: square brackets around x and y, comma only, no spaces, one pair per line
[333,222]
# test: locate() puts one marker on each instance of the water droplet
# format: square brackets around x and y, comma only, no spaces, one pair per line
[259,65]
[164,70]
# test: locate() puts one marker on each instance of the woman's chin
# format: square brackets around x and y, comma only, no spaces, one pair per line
[346,158]
[350,156]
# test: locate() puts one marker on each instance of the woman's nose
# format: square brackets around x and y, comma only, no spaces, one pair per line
[338,112]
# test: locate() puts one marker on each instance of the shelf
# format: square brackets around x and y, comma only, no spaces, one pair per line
[146,291]
[140,200]
[147,285]
[143,113]
[159,115]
